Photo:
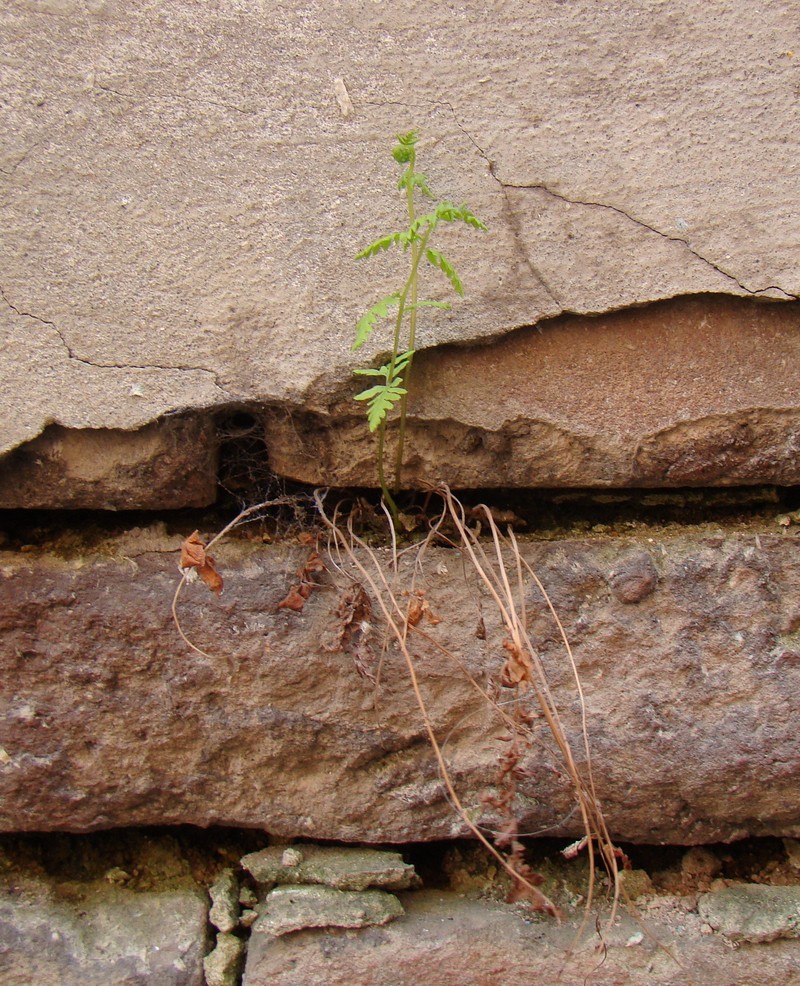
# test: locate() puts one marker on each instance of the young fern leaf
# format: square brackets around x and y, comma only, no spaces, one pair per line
[416,180]
[383,397]
[444,265]
[384,243]
[389,392]
[470,218]
[381,400]
[366,323]
[403,153]
[449,213]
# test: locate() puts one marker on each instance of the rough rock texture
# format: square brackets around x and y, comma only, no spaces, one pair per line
[451,941]
[689,392]
[108,718]
[292,908]
[752,913]
[64,938]
[224,893]
[184,187]
[169,464]
[342,869]
[222,966]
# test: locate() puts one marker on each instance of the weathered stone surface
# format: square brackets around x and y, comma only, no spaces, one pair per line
[688,392]
[340,868]
[292,908]
[100,936]
[753,913]
[224,893]
[223,965]
[448,940]
[171,463]
[108,719]
[179,232]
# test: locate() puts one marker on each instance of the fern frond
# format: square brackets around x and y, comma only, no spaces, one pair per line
[444,265]
[449,213]
[470,218]
[384,243]
[402,361]
[366,323]
[417,180]
[403,153]
[383,396]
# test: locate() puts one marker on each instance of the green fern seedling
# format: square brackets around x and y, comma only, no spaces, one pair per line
[383,398]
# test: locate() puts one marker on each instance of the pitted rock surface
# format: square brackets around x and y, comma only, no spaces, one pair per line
[109,719]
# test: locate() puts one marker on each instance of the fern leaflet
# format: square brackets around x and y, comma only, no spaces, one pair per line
[366,323]
[444,265]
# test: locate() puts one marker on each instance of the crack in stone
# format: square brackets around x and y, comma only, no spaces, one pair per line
[107,366]
[179,96]
[504,185]
[511,216]
[640,222]
[9,172]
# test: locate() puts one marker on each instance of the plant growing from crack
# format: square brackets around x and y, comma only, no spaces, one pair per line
[392,390]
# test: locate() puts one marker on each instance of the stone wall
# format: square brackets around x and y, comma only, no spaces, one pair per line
[184,189]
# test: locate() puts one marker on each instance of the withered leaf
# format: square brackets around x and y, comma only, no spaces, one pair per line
[194,555]
[294,599]
[419,607]
[297,595]
[517,670]
[526,882]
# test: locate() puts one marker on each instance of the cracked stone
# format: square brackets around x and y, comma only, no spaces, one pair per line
[752,912]
[689,392]
[617,183]
[342,869]
[293,908]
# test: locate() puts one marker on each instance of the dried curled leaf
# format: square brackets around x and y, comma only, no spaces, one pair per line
[353,631]
[300,591]
[295,599]
[518,670]
[193,555]
[354,614]
[419,607]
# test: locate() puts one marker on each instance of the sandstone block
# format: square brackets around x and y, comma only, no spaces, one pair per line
[108,719]
[293,908]
[631,156]
[165,465]
[100,937]
[753,913]
[451,941]
[689,392]
[340,868]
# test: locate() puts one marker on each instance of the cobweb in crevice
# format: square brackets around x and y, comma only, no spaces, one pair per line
[244,477]
[243,473]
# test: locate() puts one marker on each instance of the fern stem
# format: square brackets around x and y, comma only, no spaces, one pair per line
[387,496]
[418,252]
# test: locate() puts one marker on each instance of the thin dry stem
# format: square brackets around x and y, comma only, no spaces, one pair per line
[240,518]
[399,628]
